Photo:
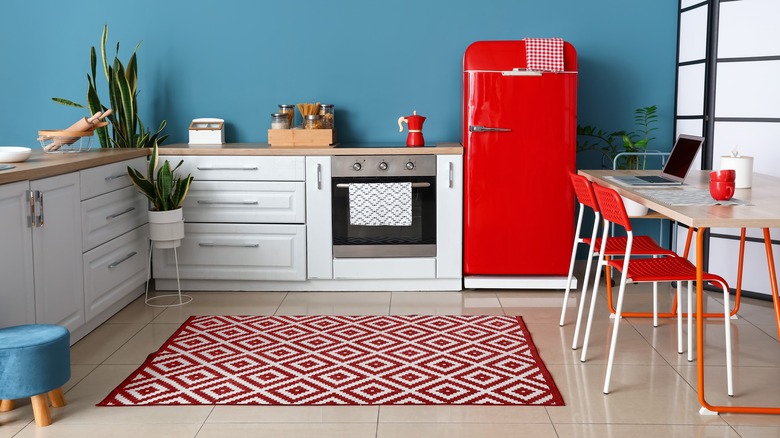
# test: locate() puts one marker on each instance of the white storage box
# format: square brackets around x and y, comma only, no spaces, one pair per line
[207,131]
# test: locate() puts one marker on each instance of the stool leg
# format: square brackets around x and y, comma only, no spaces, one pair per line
[40,405]
[57,398]
[7,405]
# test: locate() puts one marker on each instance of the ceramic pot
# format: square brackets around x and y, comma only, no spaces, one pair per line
[166,228]
[634,208]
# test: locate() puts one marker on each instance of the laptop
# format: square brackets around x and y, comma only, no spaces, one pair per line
[676,168]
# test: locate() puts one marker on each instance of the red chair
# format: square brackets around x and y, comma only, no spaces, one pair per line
[616,246]
[666,269]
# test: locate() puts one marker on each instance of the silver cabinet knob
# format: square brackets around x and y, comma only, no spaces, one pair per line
[382,166]
[357,166]
[410,165]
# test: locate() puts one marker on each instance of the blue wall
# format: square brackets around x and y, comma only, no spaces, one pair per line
[375,61]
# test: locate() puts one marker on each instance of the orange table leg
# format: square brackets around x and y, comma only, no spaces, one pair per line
[700,329]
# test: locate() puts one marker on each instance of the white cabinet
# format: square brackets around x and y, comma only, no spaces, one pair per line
[59,285]
[244,221]
[449,216]
[319,242]
[17,294]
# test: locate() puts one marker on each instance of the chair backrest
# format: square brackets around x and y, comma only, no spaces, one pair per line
[611,205]
[584,191]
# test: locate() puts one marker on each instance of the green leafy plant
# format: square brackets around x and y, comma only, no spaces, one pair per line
[168,190]
[610,144]
[127,129]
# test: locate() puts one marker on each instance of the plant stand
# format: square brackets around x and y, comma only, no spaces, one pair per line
[166,229]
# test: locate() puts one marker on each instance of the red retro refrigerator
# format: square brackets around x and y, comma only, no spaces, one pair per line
[519,138]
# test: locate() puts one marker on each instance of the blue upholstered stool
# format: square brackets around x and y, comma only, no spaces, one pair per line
[34,362]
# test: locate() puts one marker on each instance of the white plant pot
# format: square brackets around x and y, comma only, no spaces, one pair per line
[634,208]
[166,228]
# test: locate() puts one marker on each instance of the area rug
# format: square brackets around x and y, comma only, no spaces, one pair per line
[343,360]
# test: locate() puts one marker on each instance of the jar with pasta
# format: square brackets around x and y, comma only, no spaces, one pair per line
[312,121]
[289,110]
[327,112]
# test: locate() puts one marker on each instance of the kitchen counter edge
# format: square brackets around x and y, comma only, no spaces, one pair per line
[43,165]
[247,149]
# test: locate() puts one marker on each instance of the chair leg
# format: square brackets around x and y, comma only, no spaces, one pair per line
[584,295]
[655,304]
[727,323]
[40,406]
[679,319]
[571,265]
[7,405]
[615,329]
[690,322]
[589,322]
[57,398]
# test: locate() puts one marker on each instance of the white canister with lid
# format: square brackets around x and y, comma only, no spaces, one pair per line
[742,165]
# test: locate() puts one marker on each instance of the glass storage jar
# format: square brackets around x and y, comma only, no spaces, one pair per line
[289,110]
[312,121]
[280,121]
[327,112]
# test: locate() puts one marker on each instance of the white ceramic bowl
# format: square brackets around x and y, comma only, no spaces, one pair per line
[14,154]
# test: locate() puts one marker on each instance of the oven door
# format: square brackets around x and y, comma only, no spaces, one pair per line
[415,240]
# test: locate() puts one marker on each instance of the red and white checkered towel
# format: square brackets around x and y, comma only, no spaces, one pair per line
[544,54]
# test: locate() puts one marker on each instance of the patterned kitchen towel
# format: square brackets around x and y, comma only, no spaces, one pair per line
[544,54]
[380,204]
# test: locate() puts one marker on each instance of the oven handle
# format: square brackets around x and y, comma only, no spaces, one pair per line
[415,185]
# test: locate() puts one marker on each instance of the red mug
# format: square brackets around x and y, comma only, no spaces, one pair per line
[725,175]
[722,190]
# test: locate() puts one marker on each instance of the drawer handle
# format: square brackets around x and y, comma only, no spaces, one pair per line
[113,177]
[229,245]
[227,168]
[116,215]
[122,260]
[207,202]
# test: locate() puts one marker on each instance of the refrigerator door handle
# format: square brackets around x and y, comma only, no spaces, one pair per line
[478,128]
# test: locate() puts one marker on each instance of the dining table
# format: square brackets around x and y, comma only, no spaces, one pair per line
[690,204]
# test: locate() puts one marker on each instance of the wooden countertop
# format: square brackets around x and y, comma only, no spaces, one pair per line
[43,165]
[265,149]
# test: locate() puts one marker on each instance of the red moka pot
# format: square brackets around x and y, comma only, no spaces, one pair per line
[415,124]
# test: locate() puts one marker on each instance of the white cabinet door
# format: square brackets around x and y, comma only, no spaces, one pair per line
[17,293]
[449,216]
[59,284]
[319,229]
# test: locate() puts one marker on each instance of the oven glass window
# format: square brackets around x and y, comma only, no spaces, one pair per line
[416,239]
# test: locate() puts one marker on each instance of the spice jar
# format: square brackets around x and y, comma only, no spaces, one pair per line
[280,121]
[289,110]
[327,113]
[312,121]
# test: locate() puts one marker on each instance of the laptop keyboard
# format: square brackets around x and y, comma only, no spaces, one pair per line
[655,179]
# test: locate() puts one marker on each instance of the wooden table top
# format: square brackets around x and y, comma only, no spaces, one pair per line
[762,211]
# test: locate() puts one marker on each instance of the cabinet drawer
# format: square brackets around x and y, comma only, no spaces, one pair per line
[245,202]
[241,168]
[115,269]
[110,215]
[110,177]
[236,252]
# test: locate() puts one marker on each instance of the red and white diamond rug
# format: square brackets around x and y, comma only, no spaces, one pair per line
[343,360]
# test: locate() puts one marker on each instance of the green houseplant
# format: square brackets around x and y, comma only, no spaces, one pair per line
[166,192]
[127,129]
[610,144]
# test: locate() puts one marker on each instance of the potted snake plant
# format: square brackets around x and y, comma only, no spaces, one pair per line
[166,192]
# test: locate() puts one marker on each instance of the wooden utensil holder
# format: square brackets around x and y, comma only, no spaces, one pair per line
[302,138]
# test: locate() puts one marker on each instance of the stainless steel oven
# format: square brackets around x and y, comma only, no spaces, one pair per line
[415,238]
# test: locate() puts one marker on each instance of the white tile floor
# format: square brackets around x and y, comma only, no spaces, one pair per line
[653,388]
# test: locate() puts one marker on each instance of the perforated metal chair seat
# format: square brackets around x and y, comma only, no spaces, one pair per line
[643,245]
[663,269]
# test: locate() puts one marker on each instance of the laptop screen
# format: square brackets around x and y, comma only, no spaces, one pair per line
[682,156]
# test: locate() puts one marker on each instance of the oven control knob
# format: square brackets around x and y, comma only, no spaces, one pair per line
[409,166]
[357,166]
[382,166]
